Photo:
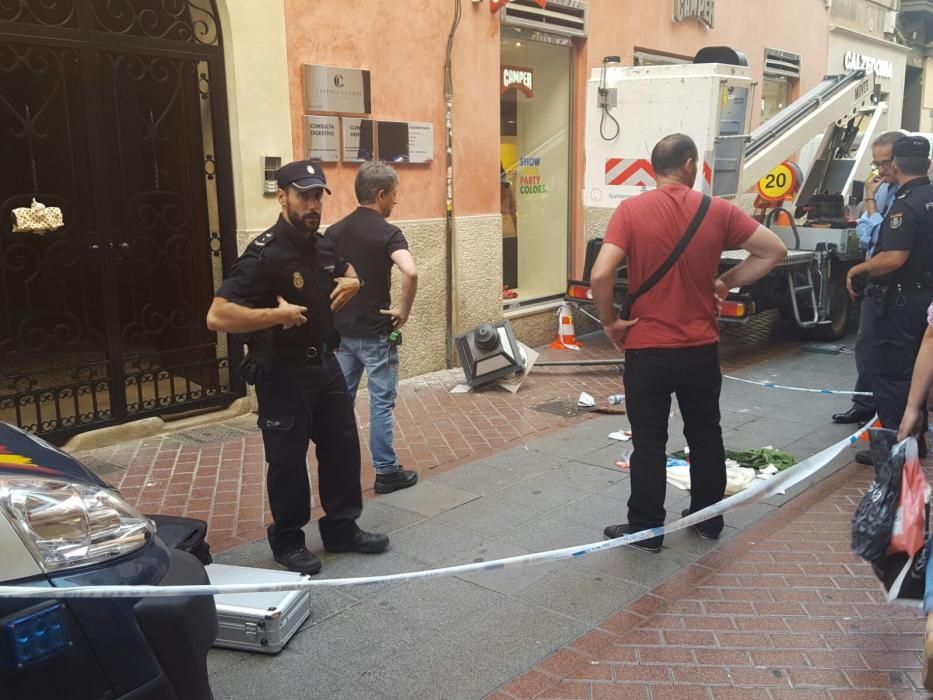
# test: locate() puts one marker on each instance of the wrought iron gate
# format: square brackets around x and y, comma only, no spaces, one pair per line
[115,112]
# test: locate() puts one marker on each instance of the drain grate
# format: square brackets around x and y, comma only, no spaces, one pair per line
[566,408]
[209,434]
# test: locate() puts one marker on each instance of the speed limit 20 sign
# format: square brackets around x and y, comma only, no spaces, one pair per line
[780,182]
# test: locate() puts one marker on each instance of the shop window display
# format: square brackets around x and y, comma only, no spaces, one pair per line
[534,168]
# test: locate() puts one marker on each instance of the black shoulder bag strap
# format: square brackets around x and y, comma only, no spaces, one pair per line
[669,263]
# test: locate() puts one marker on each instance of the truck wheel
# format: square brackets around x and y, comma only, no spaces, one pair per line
[840,314]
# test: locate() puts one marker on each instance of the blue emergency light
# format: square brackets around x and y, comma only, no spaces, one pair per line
[36,636]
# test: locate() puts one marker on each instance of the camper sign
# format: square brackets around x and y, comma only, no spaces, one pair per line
[703,10]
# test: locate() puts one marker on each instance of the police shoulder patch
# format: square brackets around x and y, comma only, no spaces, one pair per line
[263,238]
[896,220]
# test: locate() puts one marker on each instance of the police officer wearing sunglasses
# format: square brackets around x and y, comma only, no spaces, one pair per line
[281,295]
[901,271]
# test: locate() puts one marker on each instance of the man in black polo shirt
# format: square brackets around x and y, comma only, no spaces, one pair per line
[372,245]
[280,295]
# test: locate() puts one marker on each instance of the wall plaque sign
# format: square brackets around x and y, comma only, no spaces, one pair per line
[322,138]
[340,90]
[358,143]
[420,142]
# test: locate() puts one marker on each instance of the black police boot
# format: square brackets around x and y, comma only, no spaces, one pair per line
[864,457]
[396,481]
[652,544]
[706,529]
[853,415]
[361,542]
[300,560]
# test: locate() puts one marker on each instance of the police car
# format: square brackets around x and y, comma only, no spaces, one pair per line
[62,526]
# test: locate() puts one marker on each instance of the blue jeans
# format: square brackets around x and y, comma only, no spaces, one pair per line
[379,358]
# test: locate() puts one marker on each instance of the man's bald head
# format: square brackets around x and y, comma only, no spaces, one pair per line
[670,156]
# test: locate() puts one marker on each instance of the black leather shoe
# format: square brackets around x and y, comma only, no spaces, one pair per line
[362,542]
[864,457]
[652,544]
[300,560]
[853,415]
[396,481]
[703,529]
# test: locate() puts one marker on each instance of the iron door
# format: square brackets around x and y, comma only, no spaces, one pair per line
[114,113]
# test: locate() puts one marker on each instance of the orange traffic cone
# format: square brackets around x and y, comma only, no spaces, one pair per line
[875,424]
[566,336]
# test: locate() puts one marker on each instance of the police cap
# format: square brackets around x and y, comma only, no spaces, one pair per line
[912,147]
[302,175]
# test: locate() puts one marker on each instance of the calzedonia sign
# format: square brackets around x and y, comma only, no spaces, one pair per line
[703,10]
[521,79]
[878,66]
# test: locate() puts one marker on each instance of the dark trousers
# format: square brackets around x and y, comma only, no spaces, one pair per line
[295,406]
[864,364]
[898,333]
[694,376]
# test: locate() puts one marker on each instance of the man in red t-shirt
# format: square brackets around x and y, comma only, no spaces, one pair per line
[671,343]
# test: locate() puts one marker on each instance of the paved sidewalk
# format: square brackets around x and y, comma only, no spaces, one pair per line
[784,610]
[573,628]
[217,472]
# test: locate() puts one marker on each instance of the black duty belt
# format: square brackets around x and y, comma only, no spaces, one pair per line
[873,289]
[302,356]
[910,287]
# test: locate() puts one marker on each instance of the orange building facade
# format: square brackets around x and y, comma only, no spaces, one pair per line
[513,215]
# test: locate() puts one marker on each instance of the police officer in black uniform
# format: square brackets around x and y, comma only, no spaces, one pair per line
[281,294]
[901,272]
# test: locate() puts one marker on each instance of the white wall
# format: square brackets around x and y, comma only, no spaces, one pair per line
[841,41]
[260,118]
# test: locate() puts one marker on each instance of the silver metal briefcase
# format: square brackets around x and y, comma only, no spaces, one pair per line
[262,622]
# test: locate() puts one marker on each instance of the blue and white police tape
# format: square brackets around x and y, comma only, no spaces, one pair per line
[759,489]
[772,385]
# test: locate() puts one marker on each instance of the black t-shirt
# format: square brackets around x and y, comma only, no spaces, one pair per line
[909,226]
[366,240]
[298,267]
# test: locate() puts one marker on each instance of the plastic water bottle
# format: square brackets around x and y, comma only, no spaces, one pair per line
[616,399]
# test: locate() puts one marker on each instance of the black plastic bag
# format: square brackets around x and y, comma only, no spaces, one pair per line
[903,577]
[874,517]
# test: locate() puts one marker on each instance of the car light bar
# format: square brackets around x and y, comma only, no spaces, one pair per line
[36,636]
